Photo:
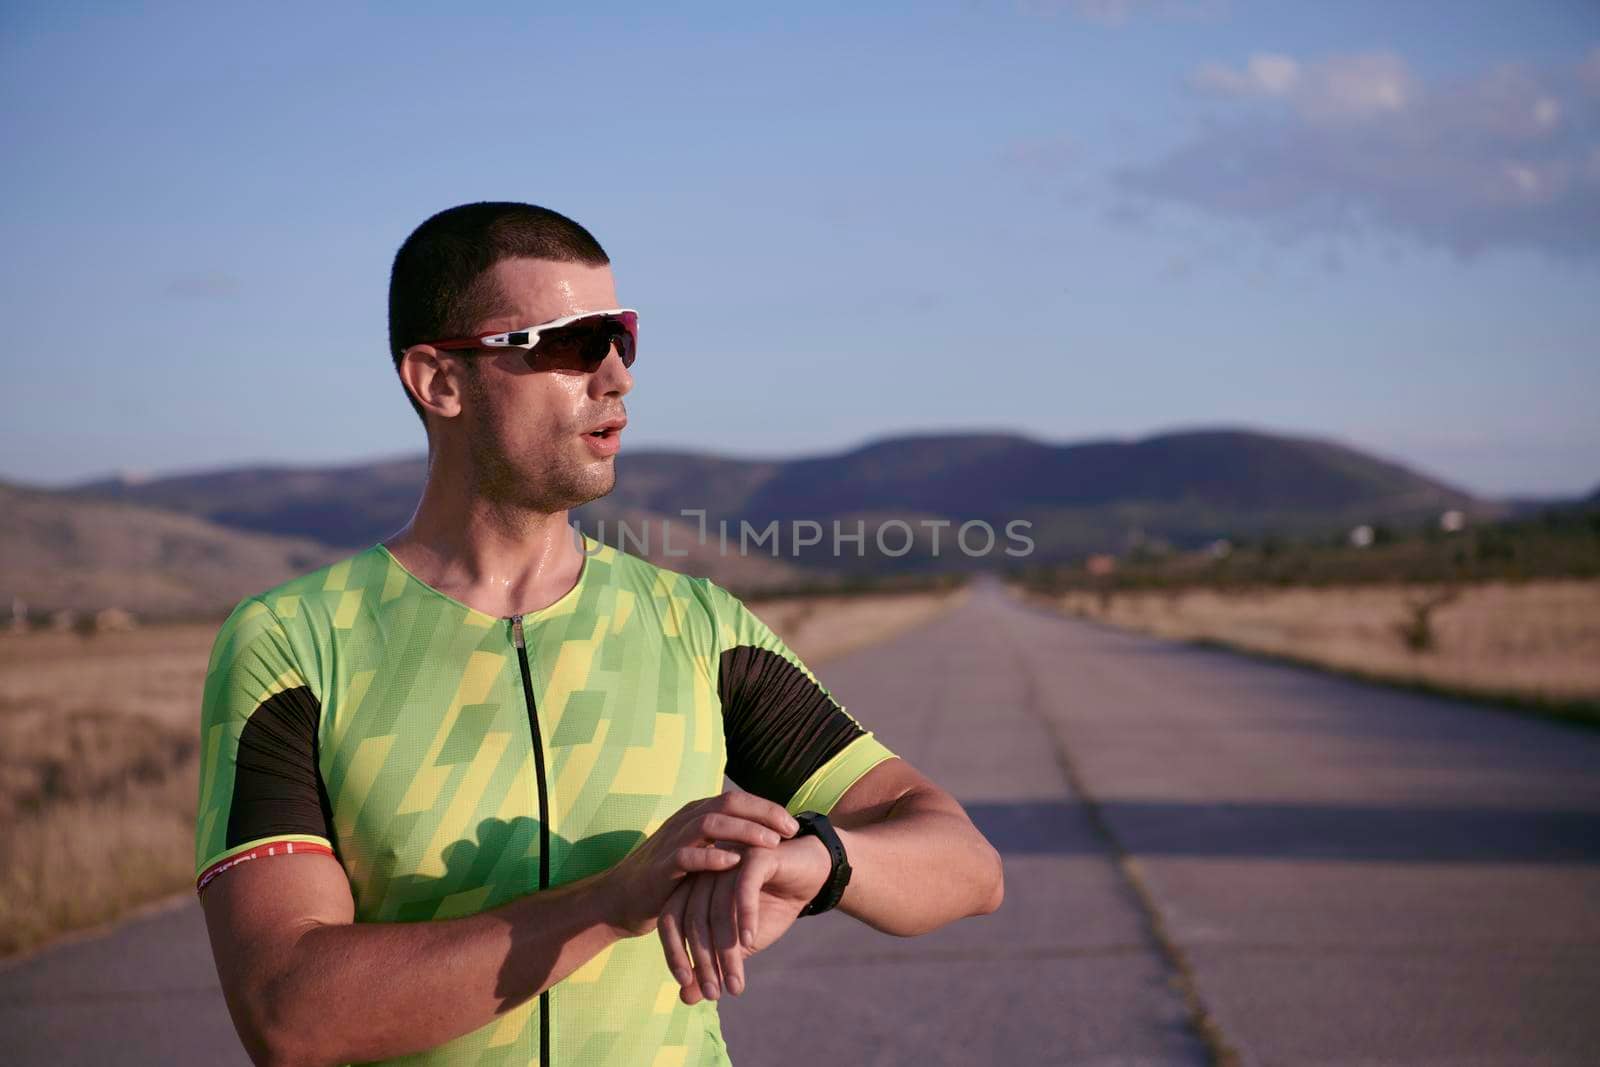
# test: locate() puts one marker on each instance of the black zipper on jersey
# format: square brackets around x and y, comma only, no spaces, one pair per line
[544,815]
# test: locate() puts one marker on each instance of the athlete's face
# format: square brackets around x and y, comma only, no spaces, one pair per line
[529,433]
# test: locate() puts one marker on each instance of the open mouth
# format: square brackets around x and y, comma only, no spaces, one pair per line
[606,439]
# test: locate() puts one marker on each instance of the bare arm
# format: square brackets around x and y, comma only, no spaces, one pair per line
[916,860]
[305,984]
[917,863]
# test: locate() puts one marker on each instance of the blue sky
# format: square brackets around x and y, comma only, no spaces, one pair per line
[1375,222]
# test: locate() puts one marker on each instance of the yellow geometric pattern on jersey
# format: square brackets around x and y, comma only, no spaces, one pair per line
[433,767]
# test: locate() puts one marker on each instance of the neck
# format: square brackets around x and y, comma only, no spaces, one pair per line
[498,556]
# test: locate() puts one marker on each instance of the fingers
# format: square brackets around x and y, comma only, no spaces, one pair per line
[671,930]
[747,904]
[638,887]
[692,858]
[725,934]
[716,826]
[698,931]
[756,809]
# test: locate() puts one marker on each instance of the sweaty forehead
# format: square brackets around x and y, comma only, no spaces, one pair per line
[538,290]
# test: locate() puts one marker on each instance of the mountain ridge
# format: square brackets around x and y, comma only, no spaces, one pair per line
[1184,485]
[196,541]
[65,551]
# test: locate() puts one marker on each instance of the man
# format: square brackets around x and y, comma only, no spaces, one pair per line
[483,725]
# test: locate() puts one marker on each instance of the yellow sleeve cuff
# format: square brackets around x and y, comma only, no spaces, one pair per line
[833,779]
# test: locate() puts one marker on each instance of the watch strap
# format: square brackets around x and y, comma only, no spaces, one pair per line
[832,891]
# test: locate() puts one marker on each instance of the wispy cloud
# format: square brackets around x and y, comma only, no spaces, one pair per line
[1510,158]
[1264,75]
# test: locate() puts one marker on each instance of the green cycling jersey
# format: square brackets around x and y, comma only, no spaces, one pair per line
[451,761]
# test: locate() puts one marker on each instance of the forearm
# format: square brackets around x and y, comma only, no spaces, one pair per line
[920,866]
[365,991]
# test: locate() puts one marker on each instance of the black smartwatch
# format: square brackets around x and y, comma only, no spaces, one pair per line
[814,822]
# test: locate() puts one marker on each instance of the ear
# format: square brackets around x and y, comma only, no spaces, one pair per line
[436,380]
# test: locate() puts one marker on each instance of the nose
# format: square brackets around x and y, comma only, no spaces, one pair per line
[611,378]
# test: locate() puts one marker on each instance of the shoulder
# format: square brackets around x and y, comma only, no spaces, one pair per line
[640,576]
[291,610]
[351,574]
[689,606]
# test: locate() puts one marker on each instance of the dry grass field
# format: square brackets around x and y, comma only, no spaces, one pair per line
[97,774]
[818,628]
[98,755]
[1535,643]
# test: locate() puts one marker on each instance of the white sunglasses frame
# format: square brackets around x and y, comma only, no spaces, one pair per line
[530,334]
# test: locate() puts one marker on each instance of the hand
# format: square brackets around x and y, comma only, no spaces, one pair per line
[638,887]
[728,916]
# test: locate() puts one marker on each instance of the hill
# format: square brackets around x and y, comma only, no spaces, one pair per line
[1181,488]
[352,505]
[59,550]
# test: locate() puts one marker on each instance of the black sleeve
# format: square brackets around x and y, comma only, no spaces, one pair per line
[277,786]
[779,724]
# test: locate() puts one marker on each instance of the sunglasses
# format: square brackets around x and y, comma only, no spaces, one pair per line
[577,342]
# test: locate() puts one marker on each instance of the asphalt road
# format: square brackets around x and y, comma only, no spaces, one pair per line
[1202,852]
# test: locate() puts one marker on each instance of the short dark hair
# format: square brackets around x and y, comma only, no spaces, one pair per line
[439,285]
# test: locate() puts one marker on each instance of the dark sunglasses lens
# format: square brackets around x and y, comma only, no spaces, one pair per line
[584,345]
[627,337]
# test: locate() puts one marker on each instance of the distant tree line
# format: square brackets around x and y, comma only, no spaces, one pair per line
[1556,543]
